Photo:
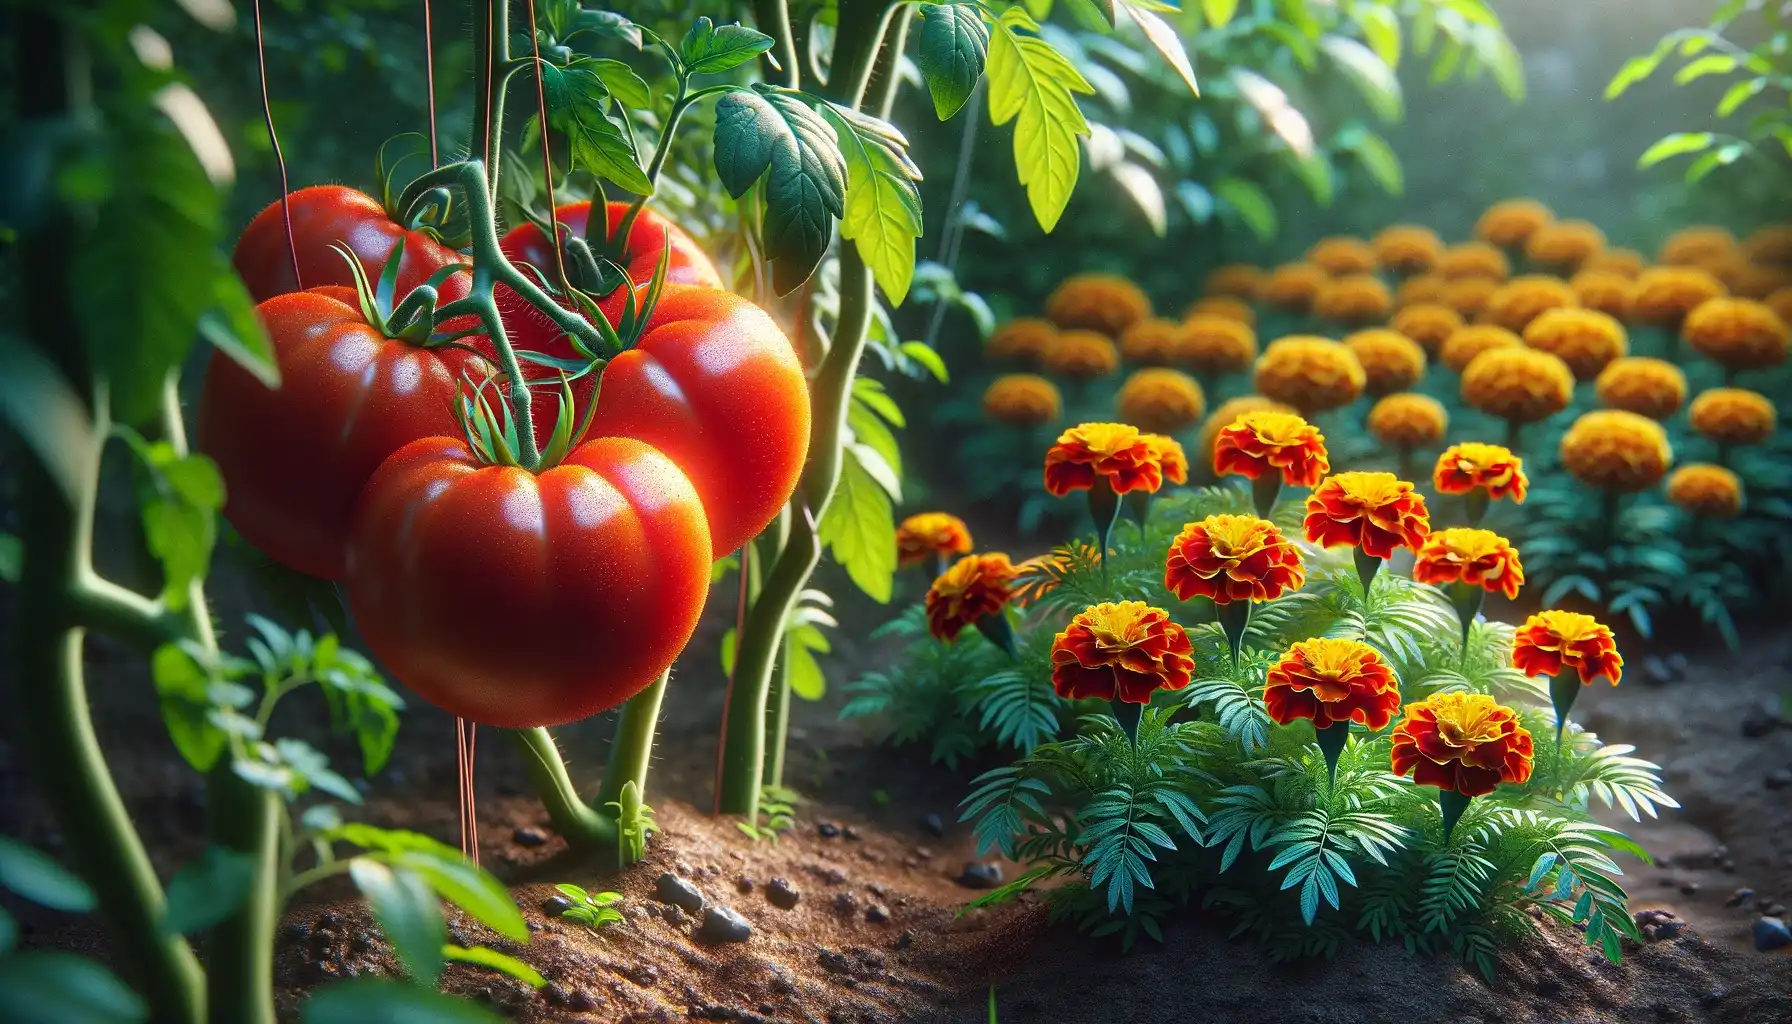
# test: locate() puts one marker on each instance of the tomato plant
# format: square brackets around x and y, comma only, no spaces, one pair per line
[324,216]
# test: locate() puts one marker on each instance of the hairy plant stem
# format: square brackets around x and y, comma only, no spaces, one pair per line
[577,821]
[778,732]
[773,18]
[492,68]
[631,750]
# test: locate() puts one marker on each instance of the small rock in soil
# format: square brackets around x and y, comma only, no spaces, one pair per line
[831,875]
[554,906]
[781,894]
[1771,933]
[361,943]
[850,833]
[934,824]
[328,919]
[980,876]
[1776,910]
[1659,924]
[877,913]
[1779,778]
[673,916]
[533,926]
[720,924]
[1739,897]
[1759,720]
[905,940]
[782,984]
[1689,889]
[528,835]
[294,931]
[669,888]
[554,994]
[744,884]
[827,829]
[835,962]
[876,889]
[581,1002]
[845,904]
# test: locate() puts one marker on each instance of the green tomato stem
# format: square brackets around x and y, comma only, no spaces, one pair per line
[773,18]
[779,729]
[580,823]
[493,69]
[619,237]
[632,747]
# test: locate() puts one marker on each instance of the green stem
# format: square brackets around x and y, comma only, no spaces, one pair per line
[492,68]
[857,38]
[1265,490]
[773,18]
[631,749]
[1367,566]
[886,72]
[573,818]
[780,727]
[680,103]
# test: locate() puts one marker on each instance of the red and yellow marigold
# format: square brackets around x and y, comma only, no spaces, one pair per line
[1330,682]
[1469,341]
[1603,290]
[1472,466]
[1554,641]
[1311,373]
[1616,451]
[1733,416]
[1354,299]
[1292,286]
[1232,558]
[1151,341]
[1170,456]
[1121,651]
[1644,385]
[1519,301]
[1215,344]
[1509,223]
[1375,511]
[1518,385]
[1737,334]
[1097,302]
[1408,421]
[1022,400]
[1024,338]
[1407,248]
[1465,743]
[1696,246]
[1664,295]
[975,586]
[1241,280]
[1116,453]
[1704,490]
[930,534]
[1229,306]
[1228,413]
[1269,441]
[1586,339]
[1342,254]
[1428,323]
[1479,558]
[1391,361]
[1564,244]
[1081,355]
[1474,259]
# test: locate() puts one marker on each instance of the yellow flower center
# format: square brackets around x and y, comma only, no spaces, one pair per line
[1569,626]
[1103,439]
[1275,428]
[1471,456]
[1466,719]
[1118,626]
[1468,545]
[1236,537]
[1368,490]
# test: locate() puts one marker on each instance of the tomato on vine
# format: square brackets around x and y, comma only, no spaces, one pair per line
[324,216]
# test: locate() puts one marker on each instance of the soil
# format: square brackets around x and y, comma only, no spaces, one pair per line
[831,958]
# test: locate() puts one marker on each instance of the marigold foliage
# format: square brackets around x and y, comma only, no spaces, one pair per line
[1519,385]
[1081,354]
[1391,361]
[929,534]
[1704,490]
[1428,323]
[975,586]
[1644,385]
[1737,334]
[1293,286]
[1116,453]
[1022,400]
[1354,299]
[1554,641]
[1408,421]
[1510,222]
[1228,558]
[1098,302]
[1586,339]
[1478,558]
[1342,254]
[1733,416]
[1264,441]
[1377,512]
[1310,373]
[1215,344]
[1616,451]
[1519,301]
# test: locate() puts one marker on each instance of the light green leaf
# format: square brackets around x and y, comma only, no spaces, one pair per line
[1219,12]
[880,470]
[364,1000]
[485,957]
[1673,145]
[1380,160]
[1474,11]
[1251,204]
[233,328]
[408,913]
[182,689]
[1722,156]
[1164,39]
[860,530]
[1316,173]
[1710,64]
[1498,54]
[47,987]
[870,430]
[1634,70]
[1381,30]
[1738,94]
[469,887]
[1032,82]
[806,678]
[208,889]
[954,45]
[576,95]
[1271,104]
[1373,78]
[709,49]
[883,204]
[33,874]
[919,351]
[730,643]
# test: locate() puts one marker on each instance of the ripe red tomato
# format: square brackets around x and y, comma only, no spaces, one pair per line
[517,600]
[295,458]
[324,215]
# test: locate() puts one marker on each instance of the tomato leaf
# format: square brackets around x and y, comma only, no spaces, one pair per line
[1673,145]
[390,1002]
[37,401]
[483,956]
[469,887]
[182,687]
[1251,204]
[1371,75]
[883,204]
[804,642]
[40,986]
[629,88]
[954,47]
[576,95]
[1163,37]
[408,913]
[859,528]
[208,889]
[870,430]
[33,874]
[773,133]
[233,328]
[1033,84]
[708,49]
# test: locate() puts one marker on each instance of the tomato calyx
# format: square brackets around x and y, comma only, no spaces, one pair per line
[431,211]
[411,321]
[493,436]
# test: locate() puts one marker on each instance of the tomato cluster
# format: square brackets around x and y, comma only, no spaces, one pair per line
[508,596]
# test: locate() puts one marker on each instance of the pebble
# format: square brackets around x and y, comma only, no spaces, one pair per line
[1659,924]
[851,834]
[294,931]
[781,894]
[877,913]
[721,924]
[905,940]
[669,888]
[328,919]
[831,875]
[835,962]
[1779,778]
[1771,933]
[673,915]
[1760,719]
[581,1001]
[1739,897]
[845,904]
[554,906]
[528,835]
[980,876]
[554,994]
[744,884]
[827,829]
[1689,889]
[924,852]
[1777,910]
[934,824]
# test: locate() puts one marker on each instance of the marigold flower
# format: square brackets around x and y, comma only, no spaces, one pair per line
[1733,416]
[1428,324]
[1728,268]
[1474,259]
[1770,244]
[1664,295]
[975,586]
[1391,361]
[1228,306]
[1420,289]
[1151,340]
[1780,301]
[1268,441]
[1519,301]
[1408,421]
[927,534]
[1292,286]
[1519,385]
[1701,489]
[1738,334]
[1080,355]
[1476,557]
[1310,373]
[1170,455]
[1565,243]
[1616,451]
[1603,290]
[1646,386]
[1469,295]
[1123,651]
[1161,400]
[1241,280]
[1377,512]
[1473,466]
[1331,682]
[1586,339]
[1114,452]
[1229,412]
[1554,641]
[1024,338]
[1758,280]
[1215,344]
[1465,743]
[1511,222]
[1097,302]
[1342,254]
[1022,400]
[1615,260]
[1695,246]
[1407,248]
[1356,299]
[1232,558]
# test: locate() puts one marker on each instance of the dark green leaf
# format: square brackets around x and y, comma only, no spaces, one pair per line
[41,406]
[485,957]
[628,88]
[775,134]
[408,913]
[12,555]
[208,889]
[234,329]
[1251,204]
[366,1000]
[608,23]
[709,48]
[954,44]
[576,95]
[182,685]
[47,987]
[31,873]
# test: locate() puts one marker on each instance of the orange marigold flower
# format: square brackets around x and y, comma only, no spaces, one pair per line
[1420,289]
[1170,455]
[1759,280]
[1474,259]
[1466,743]
[1097,302]
[1330,682]
[1216,344]
[975,586]
[1476,557]
[1701,489]
[1519,385]
[1604,290]
[1377,512]
[1232,558]
[1727,268]
[1080,355]
[1310,373]
[1391,361]
[1270,441]
[1664,295]
[1733,416]
[1022,400]
[1427,323]
[1738,334]
[1510,222]
[1565,243]
[927,534]
[1228,413]
[1586,339]
[1490,467]
[1292,286]
[1160,400]
[1695,246]
[1241,280]
[1151,340]
[1646,386]
[1408,421]
[1407,248]
[1615,260]
[1519,301]
[1616,451]
[1354,299]
[1780,301]
[1770,244]
[1469,295]
[1342,254]
[1464,344]
[1228,306]
[1554,641]
[1114,452]
[1026,338]
[1123,651]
